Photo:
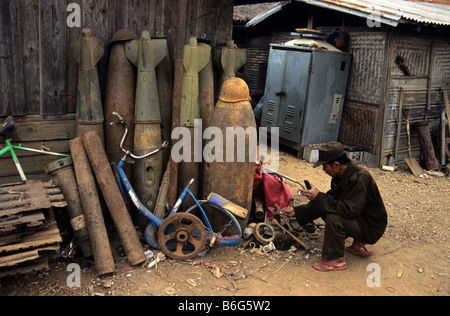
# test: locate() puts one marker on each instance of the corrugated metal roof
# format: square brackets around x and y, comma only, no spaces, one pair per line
[389,11]
[266,13]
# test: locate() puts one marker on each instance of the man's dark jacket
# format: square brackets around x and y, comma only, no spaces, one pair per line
[356,196]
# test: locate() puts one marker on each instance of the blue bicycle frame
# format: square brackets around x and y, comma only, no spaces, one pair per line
[150,231]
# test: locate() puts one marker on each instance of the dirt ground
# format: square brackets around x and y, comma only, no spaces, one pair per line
[412,258]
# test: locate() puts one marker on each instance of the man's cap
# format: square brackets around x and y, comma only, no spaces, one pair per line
[328,152]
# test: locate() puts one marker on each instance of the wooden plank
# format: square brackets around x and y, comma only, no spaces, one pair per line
[222,11]
[192,19]
[447,106]
[30,165]
[12,100]
[30,32]
[16,178]
[15,259]
[399,124]
[138,16]
[117,17]
[49,130]
[162,12]
[14,220]
[53,57]
[24,223]
[52,191]
[9,239]
[46,237]
[35,265]
[71,66]
[26,197]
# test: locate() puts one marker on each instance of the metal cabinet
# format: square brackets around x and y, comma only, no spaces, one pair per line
[305,90]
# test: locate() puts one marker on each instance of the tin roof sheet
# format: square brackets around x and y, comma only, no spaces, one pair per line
[389,11]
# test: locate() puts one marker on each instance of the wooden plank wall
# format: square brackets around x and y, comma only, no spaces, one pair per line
[428,62]
[37,72]
[38,77]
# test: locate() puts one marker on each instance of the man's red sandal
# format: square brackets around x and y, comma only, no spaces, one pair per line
[363,252]
[326,266]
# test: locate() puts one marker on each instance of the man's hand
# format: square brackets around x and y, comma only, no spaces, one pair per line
[287,211]
[310,194]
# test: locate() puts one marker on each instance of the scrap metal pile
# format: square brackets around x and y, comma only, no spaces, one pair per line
[139,184]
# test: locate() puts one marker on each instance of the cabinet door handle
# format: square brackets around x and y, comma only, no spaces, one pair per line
[281,94]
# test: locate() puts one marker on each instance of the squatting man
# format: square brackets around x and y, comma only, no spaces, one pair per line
[353,207]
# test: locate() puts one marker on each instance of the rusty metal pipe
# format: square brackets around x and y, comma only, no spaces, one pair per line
[61,173]
[101,249]
[113,198]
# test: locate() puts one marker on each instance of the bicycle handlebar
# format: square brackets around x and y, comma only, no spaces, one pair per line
[127,152]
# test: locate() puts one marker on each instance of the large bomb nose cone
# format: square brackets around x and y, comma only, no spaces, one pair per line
[234,90]
[123,35]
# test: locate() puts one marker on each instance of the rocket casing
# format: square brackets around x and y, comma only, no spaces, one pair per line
[87,51]
[146,54]
[196,58]
[229,59]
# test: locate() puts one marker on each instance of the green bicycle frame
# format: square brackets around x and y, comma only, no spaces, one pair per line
[10,149]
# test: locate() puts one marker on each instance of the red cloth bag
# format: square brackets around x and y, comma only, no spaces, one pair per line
[275,190]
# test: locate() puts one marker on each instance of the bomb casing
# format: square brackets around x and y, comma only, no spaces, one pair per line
[87,51]
[120,95]
[196,58]
[229,59]
[233,111]
[146,54]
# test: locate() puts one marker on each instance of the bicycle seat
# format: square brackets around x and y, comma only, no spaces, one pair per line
[7,126]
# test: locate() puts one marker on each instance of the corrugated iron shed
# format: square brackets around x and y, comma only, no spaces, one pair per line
[390,12]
